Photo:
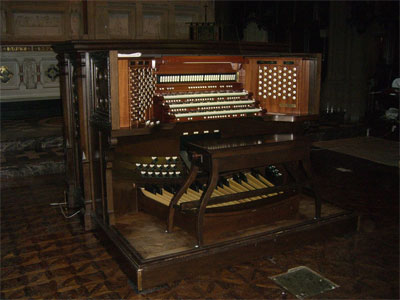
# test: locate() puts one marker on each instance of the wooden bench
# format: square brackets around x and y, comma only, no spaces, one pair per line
[218,156]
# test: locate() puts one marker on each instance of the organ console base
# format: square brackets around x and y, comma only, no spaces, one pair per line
[151,257]
[191,156]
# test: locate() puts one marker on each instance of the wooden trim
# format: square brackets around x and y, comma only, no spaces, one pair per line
[172,47]
[87,192]
[114,90]
[123,93]
[85,16]
[185,59]
[109,193]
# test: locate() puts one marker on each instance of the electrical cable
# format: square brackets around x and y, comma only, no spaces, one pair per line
[68,217]
[61,208]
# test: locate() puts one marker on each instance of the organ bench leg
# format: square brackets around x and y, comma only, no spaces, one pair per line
[174,201]
[308,171]
[212,183]
[294,168]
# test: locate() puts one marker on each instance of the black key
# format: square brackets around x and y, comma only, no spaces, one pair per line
[194,187]
[220,183]
[157,189]
[237,178]
[243,177]
[202,187]
[199,186]
[176,187]
[255,173]
[169,188]
[224,181]
[150,188]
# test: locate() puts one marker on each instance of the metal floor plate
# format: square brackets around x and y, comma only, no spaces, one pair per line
[303,282]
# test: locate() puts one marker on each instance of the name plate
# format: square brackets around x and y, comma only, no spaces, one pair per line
[287,105]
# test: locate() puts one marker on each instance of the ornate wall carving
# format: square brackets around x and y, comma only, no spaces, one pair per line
[30,71]
[101,93]
[10,76]
[155,24]
[119,23]
[76,18]
[50,76]
[38,24]
[135,19]
[5,74]
[3,22]
[29,75]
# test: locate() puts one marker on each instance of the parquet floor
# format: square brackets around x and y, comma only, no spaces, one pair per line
[44,255]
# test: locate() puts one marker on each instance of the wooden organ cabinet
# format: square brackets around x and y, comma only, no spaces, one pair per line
[187,161]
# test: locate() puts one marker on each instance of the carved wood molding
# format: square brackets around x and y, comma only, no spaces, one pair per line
[67,20]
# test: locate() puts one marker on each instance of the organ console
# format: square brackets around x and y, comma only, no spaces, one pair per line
[196,91]
[185,160]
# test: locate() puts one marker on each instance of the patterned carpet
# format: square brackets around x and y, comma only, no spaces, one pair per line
[44,255]
[31,147]
[12,130]
[31,163]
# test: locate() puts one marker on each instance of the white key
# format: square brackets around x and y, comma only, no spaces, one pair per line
[201,95]
[221,112]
